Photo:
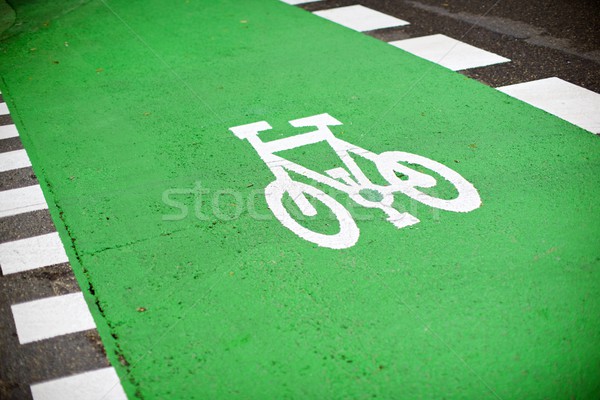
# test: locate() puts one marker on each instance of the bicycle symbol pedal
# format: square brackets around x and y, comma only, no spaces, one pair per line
[351,180]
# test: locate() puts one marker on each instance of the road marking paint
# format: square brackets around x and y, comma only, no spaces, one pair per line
[8,131]
[3,109]
[448,52]
[294,2]
[570,102]
[101,384]
[21,200]
[360,18]
[388,163]
[14,160]
[52,316]
[31,253]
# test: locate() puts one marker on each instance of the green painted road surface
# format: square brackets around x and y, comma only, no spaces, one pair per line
[197,289]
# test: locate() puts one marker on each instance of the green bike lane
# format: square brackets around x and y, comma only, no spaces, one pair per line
[198,291]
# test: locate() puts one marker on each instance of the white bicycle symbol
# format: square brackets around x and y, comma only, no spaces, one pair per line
[388,163]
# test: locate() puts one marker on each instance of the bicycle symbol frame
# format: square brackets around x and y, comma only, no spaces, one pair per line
[351,180]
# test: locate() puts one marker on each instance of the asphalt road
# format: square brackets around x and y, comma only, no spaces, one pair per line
[543,39]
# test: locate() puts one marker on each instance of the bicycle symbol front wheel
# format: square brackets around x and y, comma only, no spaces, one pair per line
[346,237]
[389,165]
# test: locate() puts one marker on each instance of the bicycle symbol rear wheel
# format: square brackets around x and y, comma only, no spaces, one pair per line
[346,237]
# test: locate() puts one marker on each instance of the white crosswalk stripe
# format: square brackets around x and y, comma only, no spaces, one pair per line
[294,2]
[14,160]
[570,102]
[31,253]
[101,384]
[448,52]
[8,131]
[360,18]
[22,200]
[52,316]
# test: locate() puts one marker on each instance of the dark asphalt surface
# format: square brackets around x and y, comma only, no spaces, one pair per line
[543,39]
[46,359]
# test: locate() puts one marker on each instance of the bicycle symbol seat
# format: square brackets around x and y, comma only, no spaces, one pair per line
[351,180]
